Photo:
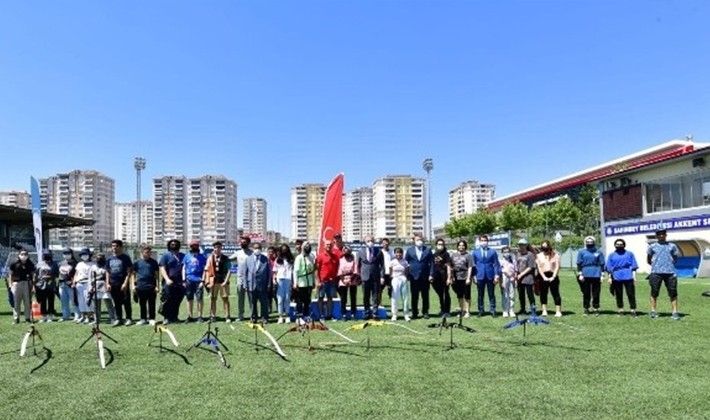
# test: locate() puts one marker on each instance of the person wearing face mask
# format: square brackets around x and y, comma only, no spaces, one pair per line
[22,279]
[101,290]
[548,265]
[304,269]
[258,275]
[525,274]
[387,256]
[590,265]
[120,268]
[487,274]
[369,267]
[347,283]
[421,273]
[508,269]
[442,277]
[621,266]
[46,285]
[193,277]
[240,257]
[283,278]
[82,284]
[66,292]
[173,291]
[463,267]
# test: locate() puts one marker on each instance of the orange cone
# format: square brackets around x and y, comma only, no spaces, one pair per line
[36,314]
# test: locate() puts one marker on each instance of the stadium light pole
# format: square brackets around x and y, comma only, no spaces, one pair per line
[428,166]
[139,164]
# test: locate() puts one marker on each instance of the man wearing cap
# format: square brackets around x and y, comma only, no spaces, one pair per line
[590,264]
[193,272]
[120,267]
[662,256]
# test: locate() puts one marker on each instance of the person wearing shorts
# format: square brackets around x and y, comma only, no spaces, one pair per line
[193,268]
[218,275]
[662,256]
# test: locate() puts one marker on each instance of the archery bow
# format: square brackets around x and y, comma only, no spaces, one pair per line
[532,319]
[368,324]
[260,328]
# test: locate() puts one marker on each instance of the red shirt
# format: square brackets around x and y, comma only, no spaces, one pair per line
[328,265]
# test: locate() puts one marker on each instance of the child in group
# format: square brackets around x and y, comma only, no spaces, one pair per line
[398,270]
[101,290]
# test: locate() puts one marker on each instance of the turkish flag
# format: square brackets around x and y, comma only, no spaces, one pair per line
[332,212]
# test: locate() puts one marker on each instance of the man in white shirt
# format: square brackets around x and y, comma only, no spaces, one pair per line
[241,258]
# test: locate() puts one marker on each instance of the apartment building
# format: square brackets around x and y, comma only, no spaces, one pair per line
[254,216]
[468,197]
[399,207]
[307,211]
[358,216]
[126,222]
[20,199]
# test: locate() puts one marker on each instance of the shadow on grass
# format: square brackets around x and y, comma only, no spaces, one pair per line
[220,354]
[48,356]
[328,347]
[110,358]
[171,351]
[522,341]
[259,346]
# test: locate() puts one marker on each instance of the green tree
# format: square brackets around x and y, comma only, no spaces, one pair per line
[514,216]
[588,204]
[456,228]
[483,222]
[565,215]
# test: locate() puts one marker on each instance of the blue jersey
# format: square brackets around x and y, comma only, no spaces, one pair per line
[662,257]
[194,266]
[590,261]
[621,265]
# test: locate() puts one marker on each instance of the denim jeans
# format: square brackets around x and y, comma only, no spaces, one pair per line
[66,297]
[283,296]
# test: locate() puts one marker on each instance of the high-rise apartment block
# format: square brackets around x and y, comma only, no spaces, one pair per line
[307,211]
[126,222]
[203,208]
[358,220]
[254,217]
[85,194]
[399,207]
[468,197]
[16,199]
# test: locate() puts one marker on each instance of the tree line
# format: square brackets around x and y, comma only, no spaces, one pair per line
[574,216]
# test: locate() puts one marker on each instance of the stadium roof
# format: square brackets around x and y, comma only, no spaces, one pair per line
[663,152]
[12,215]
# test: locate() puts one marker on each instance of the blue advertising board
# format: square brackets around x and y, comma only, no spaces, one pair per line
[649,227]
[497,239]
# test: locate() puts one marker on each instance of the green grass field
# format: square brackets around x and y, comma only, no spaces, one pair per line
[576,367]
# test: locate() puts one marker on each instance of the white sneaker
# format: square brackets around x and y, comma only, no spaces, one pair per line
[85,321]
[558,314]
[128,322]
[141,322]
[115,323]
[228,320]
[407,318]
[544,313]
[77,320]
[505,314]
[151,322]
[50,318]
[280,321]
[394,317]
[287,320]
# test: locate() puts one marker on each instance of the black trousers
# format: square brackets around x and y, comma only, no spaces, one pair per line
[303,300]
[173,298]
[121,300]
[462,290]
[371,294]
[260,298]
[591,288]
[550,287]
[630,287]
[420,288]
[343,293]
[146,303]
[526,289]
[46,301]
[442,290]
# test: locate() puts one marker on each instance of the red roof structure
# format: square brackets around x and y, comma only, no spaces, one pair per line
[664,152]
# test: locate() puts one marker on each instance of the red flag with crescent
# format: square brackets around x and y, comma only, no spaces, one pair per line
[332,222]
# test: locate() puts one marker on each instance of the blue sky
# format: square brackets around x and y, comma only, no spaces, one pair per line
[276,93]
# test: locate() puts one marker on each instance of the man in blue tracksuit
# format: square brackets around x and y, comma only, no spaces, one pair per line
[590,265]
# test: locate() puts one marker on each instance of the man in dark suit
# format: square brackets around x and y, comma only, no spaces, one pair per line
[369,264]
[421,274]
[257,282]
[487,273]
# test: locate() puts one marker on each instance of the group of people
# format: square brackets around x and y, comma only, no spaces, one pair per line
[281,276]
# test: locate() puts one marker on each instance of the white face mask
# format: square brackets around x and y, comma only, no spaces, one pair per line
[23,258]
[370,244]
[257,252]
[440,247]
[484,244]
[85,258]
[419,243]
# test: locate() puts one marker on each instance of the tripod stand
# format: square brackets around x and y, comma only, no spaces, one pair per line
[159,329]
[35,335]
[211,338]
[445,324]
[96,332]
